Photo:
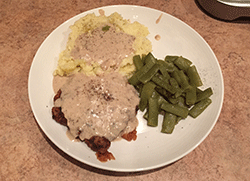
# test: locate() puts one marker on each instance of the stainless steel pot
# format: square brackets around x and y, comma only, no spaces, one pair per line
[226,9]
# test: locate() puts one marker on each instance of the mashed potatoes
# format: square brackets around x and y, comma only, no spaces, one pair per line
[141,45]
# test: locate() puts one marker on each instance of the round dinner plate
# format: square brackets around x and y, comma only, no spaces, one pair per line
[152,149]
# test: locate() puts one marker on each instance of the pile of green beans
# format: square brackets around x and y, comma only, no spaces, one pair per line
[169,87]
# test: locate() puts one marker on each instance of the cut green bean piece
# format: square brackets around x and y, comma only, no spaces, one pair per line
[175,109]
[163,69]
[184,80]
[143,58]
[199,107]
[181,78]
[137,62]
[204,94]
[153,112]
[163,84]
[168,123]
[166,94]
[176,76]
[181,102]
[198,90]
[194,77]
[161,100]
[148,76]
[169,66]
[150,59]
[133,80]
[146,93]
[163,92]
[164,73]
[191,96]
[182,63]
[155,94]
[144,69]
[175,86]
[170,58]
[174,83]
[138,87]
[178,93]
[145,116]
[173,100]
[178,119]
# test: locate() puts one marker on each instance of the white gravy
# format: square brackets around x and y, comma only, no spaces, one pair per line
[98,105]
[106,47]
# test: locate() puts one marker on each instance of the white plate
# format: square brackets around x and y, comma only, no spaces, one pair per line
[152,149]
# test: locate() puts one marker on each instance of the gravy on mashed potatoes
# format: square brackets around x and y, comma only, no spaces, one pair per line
[104,46]
[70,63]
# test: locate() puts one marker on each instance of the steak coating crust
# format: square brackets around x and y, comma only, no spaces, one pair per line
[98,144]
[58,116]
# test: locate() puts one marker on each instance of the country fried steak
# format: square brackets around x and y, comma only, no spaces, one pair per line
[98,144]
[57,113]
[58,116]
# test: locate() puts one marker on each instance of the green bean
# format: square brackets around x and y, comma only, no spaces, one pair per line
[138,87]
[178,119]
[147,76]
[143,58]
[145,68]
[133,80]
[191,96]
[175,109]
[198,91]
[160,76]
[145,116]
[164,73]
[153,112]
[162,91]
[172,100]
[168,123]
[163,84]
[169,66]
[155,94]
[199,107]
[181,102]
[163,69]
[161,100]
[146,93]
[204,94]
[194,77]
[150,59]
[176,76]
[182,63]
[170,58]
[137,62]
[182,79]
[167,95]
[175,85]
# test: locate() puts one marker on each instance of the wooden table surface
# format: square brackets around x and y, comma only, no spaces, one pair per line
[26,153]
